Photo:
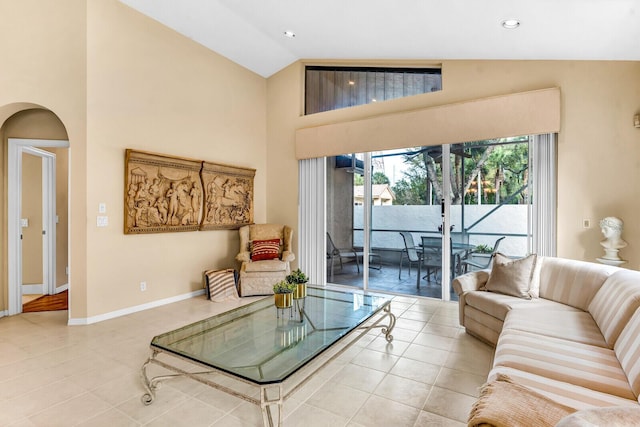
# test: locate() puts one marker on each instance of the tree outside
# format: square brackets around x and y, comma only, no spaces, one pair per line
[376,178]
[496,171]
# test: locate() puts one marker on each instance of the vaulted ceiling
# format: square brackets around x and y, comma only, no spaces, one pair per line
[251,32]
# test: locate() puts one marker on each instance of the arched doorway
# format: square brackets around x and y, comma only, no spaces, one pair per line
[35,133]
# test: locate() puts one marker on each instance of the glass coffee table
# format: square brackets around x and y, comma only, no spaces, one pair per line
[256,345]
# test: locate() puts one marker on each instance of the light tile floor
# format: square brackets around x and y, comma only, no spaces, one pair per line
[57,375]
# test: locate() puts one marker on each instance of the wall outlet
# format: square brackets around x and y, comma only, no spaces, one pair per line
[586,223]
[143,286]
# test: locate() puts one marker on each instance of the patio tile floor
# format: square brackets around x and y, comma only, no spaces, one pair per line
[386,280]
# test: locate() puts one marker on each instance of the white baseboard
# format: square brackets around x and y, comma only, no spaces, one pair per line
[4,313]
[134,309]
[62,288]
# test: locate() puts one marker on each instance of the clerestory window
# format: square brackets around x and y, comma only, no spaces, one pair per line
[332,88]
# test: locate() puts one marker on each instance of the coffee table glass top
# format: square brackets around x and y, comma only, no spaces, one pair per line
[252,342]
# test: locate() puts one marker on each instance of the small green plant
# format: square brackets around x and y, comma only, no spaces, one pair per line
[282,287]
[483,249]
[297,277]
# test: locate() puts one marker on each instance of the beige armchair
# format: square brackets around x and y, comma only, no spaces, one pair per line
[258,241]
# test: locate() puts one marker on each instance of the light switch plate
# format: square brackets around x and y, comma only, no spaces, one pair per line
[24,222]
[102,221]
[102,208]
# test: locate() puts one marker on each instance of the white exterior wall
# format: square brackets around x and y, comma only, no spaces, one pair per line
[508,219]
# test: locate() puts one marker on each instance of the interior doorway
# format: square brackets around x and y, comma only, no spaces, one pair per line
[38,190]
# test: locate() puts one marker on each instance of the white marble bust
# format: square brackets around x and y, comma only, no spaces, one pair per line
[611,228]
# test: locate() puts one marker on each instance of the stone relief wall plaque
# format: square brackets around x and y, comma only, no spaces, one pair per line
[228,200]
[162,193]
[165,193]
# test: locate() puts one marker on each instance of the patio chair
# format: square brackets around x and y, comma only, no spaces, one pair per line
[375,260]
[432,248]
[334,252]
[410,252]
[481,266]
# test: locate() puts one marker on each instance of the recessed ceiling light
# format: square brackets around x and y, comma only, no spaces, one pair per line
[289,34]
[511,24]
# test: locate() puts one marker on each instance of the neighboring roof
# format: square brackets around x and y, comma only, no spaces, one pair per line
[376,190]
[251,32]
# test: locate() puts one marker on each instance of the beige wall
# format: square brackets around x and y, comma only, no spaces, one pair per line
[44,51]
[598,146]
[120,80]
[150,89]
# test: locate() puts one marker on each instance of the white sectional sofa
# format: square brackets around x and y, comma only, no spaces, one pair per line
[573,338]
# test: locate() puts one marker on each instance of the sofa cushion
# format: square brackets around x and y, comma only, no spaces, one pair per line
[627,349]
[481,325]
[498,305]
[572,282]
[615,303]
[558,321]
[620,416]
[511,277]
[562,392]
[593,367]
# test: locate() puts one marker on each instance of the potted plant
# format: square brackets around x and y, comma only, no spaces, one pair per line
[483,249]
[481,253]
[299,279]
[283,293]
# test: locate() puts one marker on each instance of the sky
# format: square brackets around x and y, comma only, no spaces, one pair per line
[393,165]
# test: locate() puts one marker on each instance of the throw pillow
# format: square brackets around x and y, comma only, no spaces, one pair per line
[221,284]
[511,277]
[265,249]
[534,290]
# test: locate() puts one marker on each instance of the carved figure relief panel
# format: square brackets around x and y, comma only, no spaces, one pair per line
[165,193]
[228,196]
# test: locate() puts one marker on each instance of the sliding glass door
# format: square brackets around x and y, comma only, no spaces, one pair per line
[345,219]
[391,215]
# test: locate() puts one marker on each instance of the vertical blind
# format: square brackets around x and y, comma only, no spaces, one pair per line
[544,166]
[311,218]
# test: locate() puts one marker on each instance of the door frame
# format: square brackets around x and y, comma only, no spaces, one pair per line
[15,150]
